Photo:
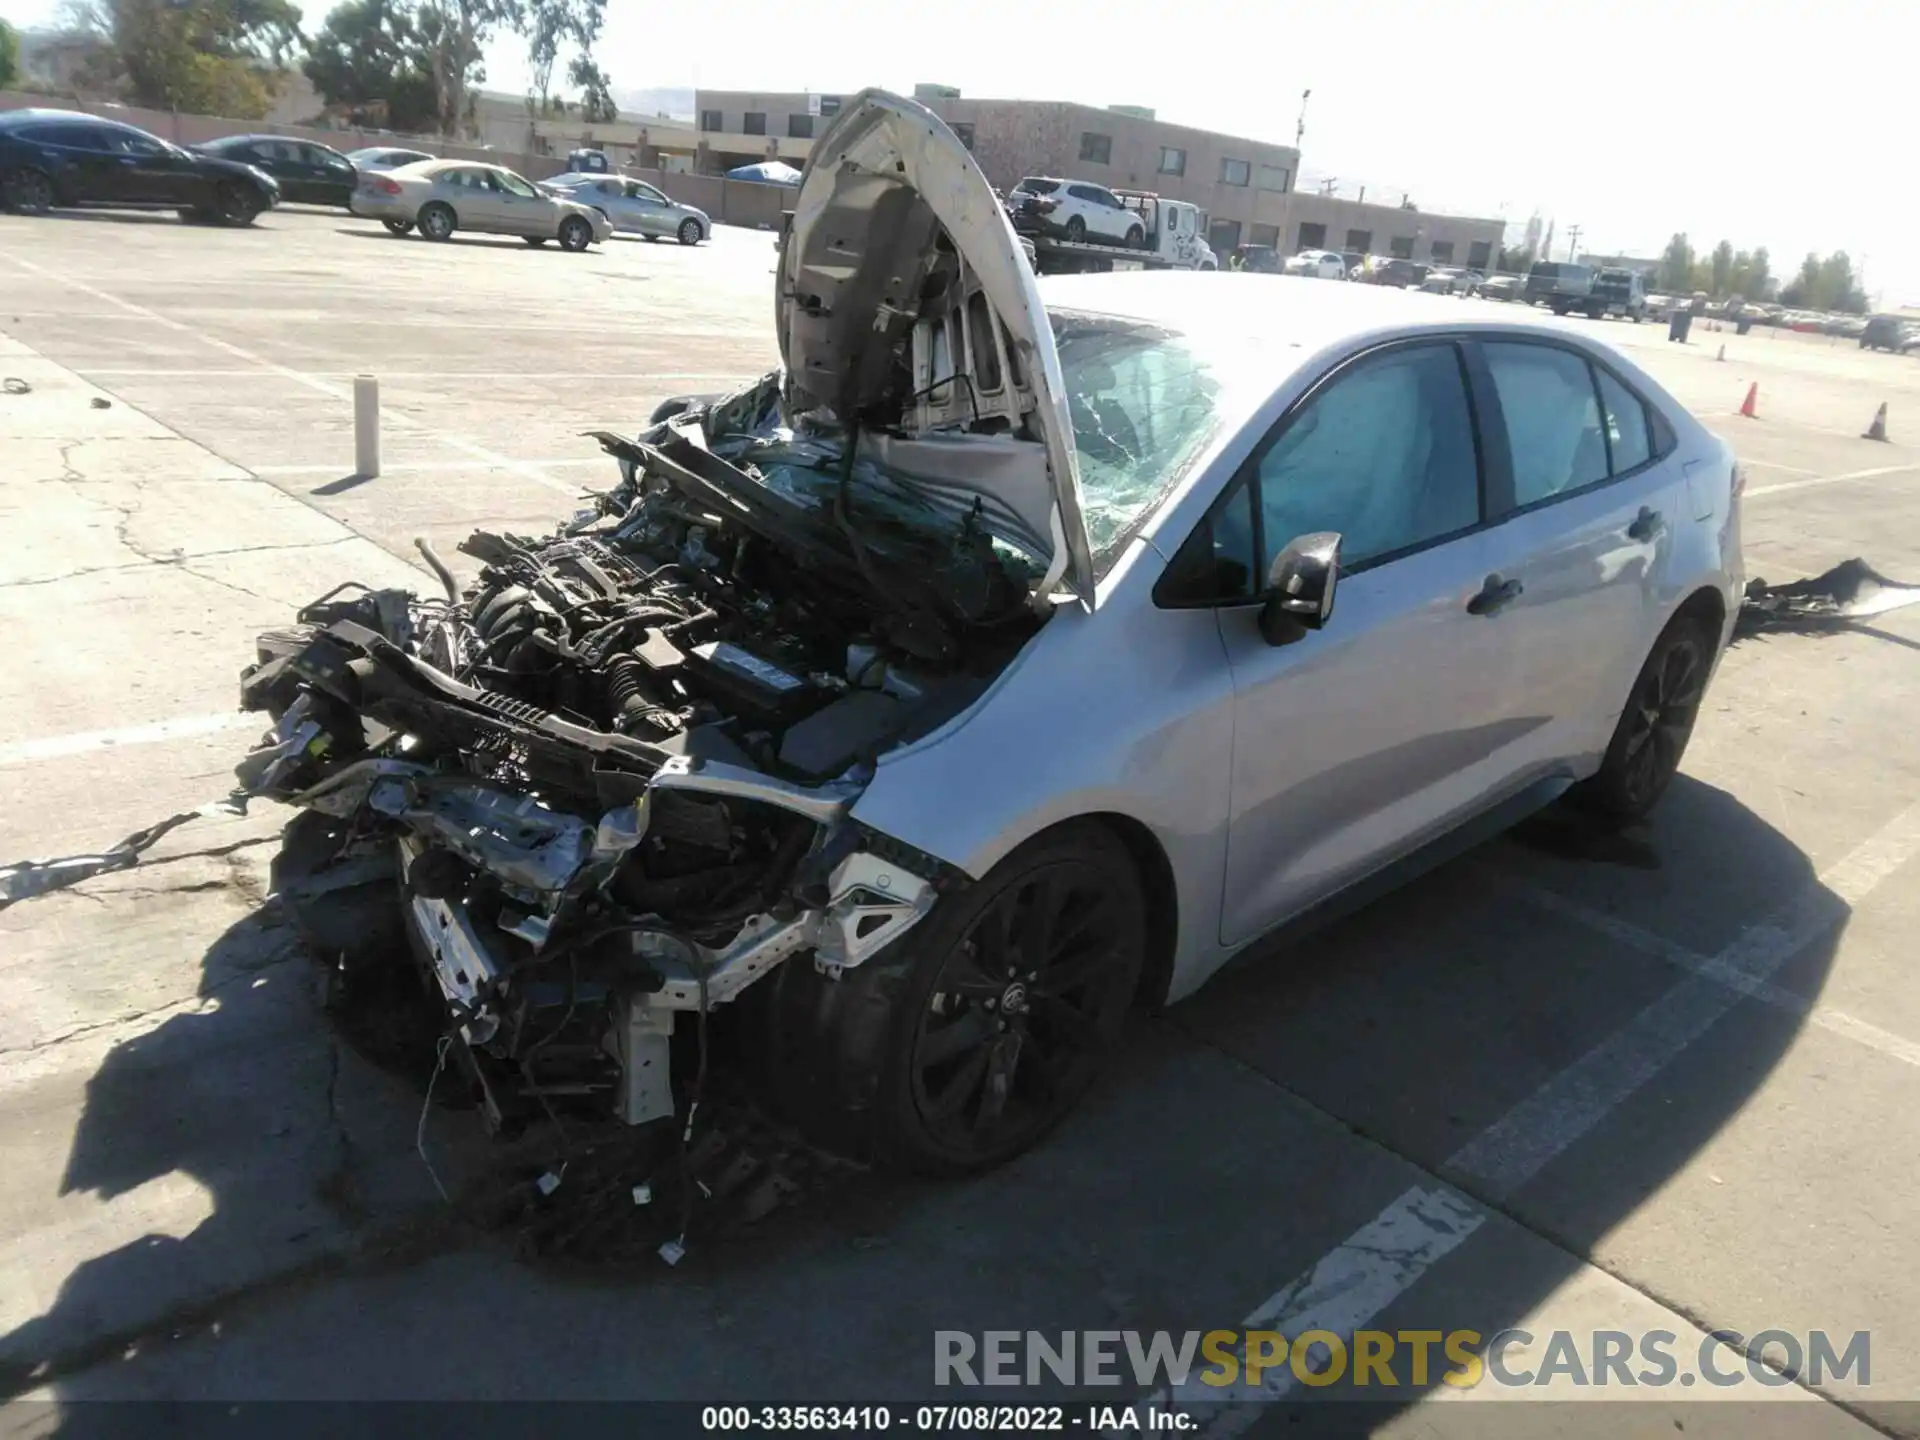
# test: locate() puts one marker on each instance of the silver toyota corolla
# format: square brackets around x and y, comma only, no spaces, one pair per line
[633,206]
[1013,655]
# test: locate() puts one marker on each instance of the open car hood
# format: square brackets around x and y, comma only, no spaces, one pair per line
[906,305]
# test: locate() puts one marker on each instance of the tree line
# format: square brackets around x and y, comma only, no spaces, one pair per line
[410,65]
[1821,284]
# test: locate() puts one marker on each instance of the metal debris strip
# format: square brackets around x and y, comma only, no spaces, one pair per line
[1851,590]
[26,879]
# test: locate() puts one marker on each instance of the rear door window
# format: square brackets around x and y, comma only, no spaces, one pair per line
[1552,417]
[1629,432]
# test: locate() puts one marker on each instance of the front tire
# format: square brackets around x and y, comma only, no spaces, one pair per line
[26,192]
[689,232]
[575,234]
[1136,238]
[398,227]
[958,1048]
[236,204]
[1651,736]
[436,221]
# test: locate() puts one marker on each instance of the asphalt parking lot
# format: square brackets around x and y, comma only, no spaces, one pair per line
[1668,1081]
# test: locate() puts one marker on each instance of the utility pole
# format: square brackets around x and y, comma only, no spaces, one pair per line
[1573,242]
[1326,186]
[1300,128]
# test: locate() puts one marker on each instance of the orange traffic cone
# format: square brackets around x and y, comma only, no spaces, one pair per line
[1753,398]
[1878,430]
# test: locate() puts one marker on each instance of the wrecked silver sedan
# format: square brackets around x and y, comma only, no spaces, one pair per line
[977,673]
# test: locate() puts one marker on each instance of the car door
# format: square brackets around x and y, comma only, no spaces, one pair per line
[523,209]
[1586,500]
[476,204]
[90,169]
[648,211]
[153,173]
[1360,740]
[334,175]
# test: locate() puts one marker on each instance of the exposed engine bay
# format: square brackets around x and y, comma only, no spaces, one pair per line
[612,776]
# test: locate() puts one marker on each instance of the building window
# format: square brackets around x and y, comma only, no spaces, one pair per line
[755,122]
[1401,247]
[1173,160]
[963,132]
[1275,177]
[710,120]
[1443,251]
[1480,254]
[829,105]
[1313,237]
[1360,240]
[1223,236]
[1268,235]
[1096,149]
[1235,172]
[799,127]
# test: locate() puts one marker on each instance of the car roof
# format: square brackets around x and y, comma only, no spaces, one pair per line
[1310,315]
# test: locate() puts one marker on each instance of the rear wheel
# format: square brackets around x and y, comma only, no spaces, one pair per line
[575,234]
[398,227]
[1076,229]
[689,232]
[236,204]
[962,1045]
[436,221]
[534,239]
[26,192]
[1644,754]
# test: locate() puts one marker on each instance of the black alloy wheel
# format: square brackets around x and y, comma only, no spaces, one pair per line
[1076,229]
[689,231]
[1653,731]
[575,234]
[398,227]
[26,192]
[236,204]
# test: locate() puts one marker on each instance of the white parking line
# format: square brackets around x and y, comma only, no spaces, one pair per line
[84,742]
[1897,1047]
[1786,485]
[298,377]
[421,466]
[623,377]
[1361,1277]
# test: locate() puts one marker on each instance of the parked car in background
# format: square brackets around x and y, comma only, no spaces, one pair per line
[589,161]
[442,196]
[1887,332]
[1619,292]
[1452,280]
[307,173]
[1560,286]
[53,158]
[1502,287]
[1320,264]
[1659,307]
[1392,270]
[632,205]
[1260,259]
[1075,210]
[386,157]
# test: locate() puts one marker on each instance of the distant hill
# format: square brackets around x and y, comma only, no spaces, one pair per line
[673,100]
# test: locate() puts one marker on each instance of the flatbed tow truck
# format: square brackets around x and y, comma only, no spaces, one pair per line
[1172,241]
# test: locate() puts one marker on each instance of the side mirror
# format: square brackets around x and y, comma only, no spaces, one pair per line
[1300,587]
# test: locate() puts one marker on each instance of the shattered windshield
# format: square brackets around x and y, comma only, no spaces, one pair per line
[1144,403]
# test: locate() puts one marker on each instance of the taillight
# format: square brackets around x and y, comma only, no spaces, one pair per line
[382,185]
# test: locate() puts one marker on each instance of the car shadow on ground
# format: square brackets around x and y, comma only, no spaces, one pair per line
[1412,1024]
[459,238]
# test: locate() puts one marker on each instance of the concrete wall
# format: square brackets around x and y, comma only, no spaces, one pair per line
[729,202]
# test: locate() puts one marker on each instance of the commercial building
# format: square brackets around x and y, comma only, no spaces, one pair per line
[1246,187]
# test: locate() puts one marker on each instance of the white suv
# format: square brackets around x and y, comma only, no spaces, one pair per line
[1075,210]
[1321,264]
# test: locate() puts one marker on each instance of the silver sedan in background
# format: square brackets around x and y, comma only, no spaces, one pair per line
[633,206]
[442,196]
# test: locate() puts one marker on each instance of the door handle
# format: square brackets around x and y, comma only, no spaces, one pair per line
[1494,596]
[129,159]
[1646,524]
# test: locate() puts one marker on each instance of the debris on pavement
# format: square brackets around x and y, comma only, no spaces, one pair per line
[14,385]
[25,879]
[1851,590]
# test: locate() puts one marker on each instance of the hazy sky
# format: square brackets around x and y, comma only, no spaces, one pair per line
[1769,125]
